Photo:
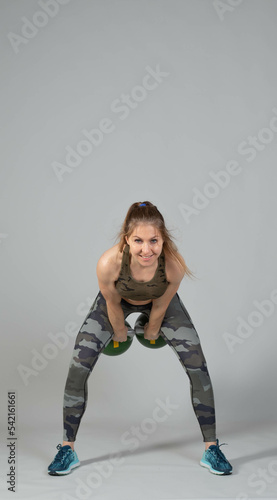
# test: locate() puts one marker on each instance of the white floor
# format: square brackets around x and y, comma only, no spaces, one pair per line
[164,465]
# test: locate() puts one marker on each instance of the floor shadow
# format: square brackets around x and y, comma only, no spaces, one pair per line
[246,430]
[183,441]
[143,448]
[271,452]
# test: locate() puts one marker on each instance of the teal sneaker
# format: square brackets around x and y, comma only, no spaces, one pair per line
[65,460]
[214,460]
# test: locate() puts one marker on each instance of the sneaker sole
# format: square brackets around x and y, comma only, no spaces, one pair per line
[63,472]
[213,471]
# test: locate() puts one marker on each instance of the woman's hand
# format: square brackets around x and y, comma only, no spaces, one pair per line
[120,336]
[148,334]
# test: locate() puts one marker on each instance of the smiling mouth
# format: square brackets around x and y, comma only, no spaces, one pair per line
[146,256]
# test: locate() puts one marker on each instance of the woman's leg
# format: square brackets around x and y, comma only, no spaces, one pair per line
[179,332]
[93,336]
[95,333]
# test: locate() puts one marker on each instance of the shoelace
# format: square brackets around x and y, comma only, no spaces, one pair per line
[61,454]
[217,453]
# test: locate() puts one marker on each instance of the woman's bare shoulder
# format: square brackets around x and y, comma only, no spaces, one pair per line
[110,260]
[173,269]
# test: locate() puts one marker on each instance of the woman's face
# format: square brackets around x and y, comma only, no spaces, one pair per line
[146,244]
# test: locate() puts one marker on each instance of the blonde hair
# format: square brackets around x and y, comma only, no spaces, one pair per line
[149,214]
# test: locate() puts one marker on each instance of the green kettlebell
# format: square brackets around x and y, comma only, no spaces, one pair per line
[139,331]
[114,348]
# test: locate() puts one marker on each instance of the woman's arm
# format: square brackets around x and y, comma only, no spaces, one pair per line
[175,275]
[105,270]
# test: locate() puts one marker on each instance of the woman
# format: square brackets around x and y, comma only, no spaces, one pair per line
[141,273]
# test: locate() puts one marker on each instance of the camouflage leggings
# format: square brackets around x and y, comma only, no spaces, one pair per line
[177,330]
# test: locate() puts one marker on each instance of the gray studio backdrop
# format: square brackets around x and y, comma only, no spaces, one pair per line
[105,103]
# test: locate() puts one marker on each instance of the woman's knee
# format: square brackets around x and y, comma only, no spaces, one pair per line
[96,327]
[176,314]
[180,332]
